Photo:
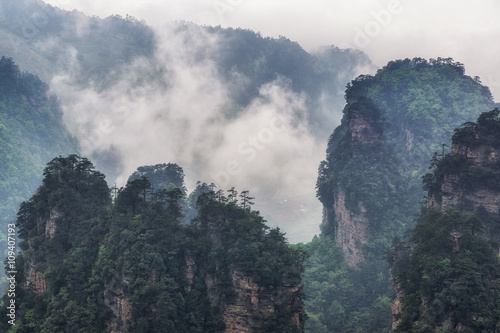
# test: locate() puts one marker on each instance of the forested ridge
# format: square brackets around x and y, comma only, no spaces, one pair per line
[91,263]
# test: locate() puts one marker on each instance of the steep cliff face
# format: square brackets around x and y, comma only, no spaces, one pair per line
[119,304]
[253,304]
[363,126]
[357,180]
[349,225]
[463,211]
[401,251]
[468,178]
[35,265]
[351,229]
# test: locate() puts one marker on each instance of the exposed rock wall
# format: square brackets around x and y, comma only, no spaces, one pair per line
[350,229]
[35,280]
[362,129]
[350,226]
[457,189]
[34,270]
[50,225]
[402,250]
[121,309]
[253,304]
[116,300]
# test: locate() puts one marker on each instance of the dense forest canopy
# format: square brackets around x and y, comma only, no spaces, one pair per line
[89,251]
[447,281]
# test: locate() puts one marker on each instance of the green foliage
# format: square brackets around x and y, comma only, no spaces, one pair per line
[102,45]
[61,228]
[162,176]
[138,252]
[423,101]
[452,275]
[343,299]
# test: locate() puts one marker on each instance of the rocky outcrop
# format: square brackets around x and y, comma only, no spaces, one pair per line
[350,231]
[239,316]
[50,224]
[402,250]
[468,180]
[35,280]
[345,215]
[362,128]
[116,300]
[35,265]
[253,304]
[472,183]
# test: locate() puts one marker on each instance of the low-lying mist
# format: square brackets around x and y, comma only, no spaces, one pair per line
[177,108]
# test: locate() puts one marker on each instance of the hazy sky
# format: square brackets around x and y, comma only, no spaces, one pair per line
[388,29]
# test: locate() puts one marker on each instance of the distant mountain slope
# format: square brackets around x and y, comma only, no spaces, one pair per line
[32,132]
[48,41]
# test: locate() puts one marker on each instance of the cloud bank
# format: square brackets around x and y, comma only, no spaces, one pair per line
[464,30]
[179,116]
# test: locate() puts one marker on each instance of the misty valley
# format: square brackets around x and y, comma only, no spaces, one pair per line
[200,178]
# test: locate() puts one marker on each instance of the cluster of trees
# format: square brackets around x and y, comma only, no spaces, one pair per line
[137,249]
[451,279]
[342,299]
[424,101]
[481,140]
